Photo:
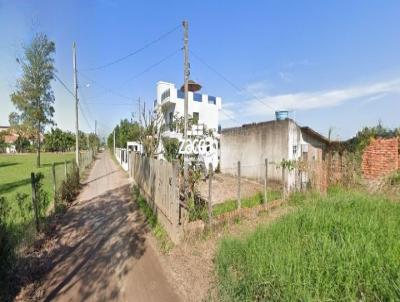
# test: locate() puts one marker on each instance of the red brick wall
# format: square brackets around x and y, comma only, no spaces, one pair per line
[380,158]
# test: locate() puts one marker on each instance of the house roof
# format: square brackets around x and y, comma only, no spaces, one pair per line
[314,134]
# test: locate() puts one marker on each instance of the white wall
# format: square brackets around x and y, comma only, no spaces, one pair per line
[208,113]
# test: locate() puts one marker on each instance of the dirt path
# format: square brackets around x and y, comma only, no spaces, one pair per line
[101,252]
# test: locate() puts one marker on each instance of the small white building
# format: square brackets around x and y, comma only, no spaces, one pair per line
[134,147]
[202,108]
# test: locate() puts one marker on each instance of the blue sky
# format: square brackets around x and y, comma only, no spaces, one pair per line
[335,63]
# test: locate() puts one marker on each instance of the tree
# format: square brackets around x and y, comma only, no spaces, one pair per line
[34,97]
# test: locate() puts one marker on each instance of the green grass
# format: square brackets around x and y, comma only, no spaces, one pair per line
[345,246]
[15,173]
[257,199]
[157,229]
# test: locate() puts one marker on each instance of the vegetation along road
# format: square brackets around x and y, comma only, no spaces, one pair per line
[100,252]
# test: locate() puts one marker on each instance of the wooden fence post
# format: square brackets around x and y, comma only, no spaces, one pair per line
[53,169]
[34,201]
[65,169]
[283,182]
[239,203]
[210,176]
[266,183]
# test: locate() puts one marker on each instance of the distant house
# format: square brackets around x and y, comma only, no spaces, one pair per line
[274,140]
[9,139]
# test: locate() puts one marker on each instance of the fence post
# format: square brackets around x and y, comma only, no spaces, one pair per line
[53,168]
[65,169]
[266,183]
[239,203]
[33,183]
[283,182]
[210,176]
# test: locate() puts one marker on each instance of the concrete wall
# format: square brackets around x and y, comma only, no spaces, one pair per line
[275,140]
[251,145]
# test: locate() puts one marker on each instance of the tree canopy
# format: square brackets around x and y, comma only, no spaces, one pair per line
[34,97]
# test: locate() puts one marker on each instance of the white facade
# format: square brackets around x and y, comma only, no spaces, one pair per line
[172,99]
[134,147]
[169,104]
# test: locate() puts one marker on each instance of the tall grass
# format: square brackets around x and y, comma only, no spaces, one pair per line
[248,202]
[345,246]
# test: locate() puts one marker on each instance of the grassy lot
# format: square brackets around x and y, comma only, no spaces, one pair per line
[345,246]
[15,171]
[257,199]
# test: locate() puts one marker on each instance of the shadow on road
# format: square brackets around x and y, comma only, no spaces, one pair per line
[90,248]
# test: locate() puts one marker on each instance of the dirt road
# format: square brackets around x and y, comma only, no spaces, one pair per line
[101,252]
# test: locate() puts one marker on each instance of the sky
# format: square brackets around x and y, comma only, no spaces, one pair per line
[333,64]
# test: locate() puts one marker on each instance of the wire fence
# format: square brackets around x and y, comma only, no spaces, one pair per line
[24,211]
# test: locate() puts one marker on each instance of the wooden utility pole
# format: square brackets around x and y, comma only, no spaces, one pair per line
[139,113]
[76,104]
[186,102]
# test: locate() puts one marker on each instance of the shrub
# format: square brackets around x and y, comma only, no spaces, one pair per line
[69,187]
[42,197]
[24,205]
[6,245]
[345,247]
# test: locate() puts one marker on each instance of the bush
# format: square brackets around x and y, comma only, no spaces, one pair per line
[42,197]
[6,246]
[69,187]
[344,247]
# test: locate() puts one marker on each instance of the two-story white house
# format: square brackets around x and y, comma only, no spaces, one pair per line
[202,108]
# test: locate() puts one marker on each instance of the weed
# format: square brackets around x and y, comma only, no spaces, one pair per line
[157,229]
[344,246]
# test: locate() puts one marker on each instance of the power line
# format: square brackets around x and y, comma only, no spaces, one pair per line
[86,119]
[109,90]
[147,69]
[229,81]
[170,55]
[63,84]
[134,52]
[230,117]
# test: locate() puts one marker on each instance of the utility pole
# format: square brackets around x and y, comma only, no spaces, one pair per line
[186,103]
[76,105]
[139,113]
[95,127]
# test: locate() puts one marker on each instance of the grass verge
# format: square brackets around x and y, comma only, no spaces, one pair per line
[344,246]
[157,229]
[257,199]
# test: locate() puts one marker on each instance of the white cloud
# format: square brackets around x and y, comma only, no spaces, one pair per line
[318,99]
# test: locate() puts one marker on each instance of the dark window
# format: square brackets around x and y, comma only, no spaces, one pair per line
[171,120]
[165,94]
[181,94]
[197,97]
[212,99]
[195,118]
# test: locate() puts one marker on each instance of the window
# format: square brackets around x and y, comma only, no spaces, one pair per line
[195,118]
[181,94]
[197,97]
[212,99]
[165,94]
[171,120]
[294,149]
